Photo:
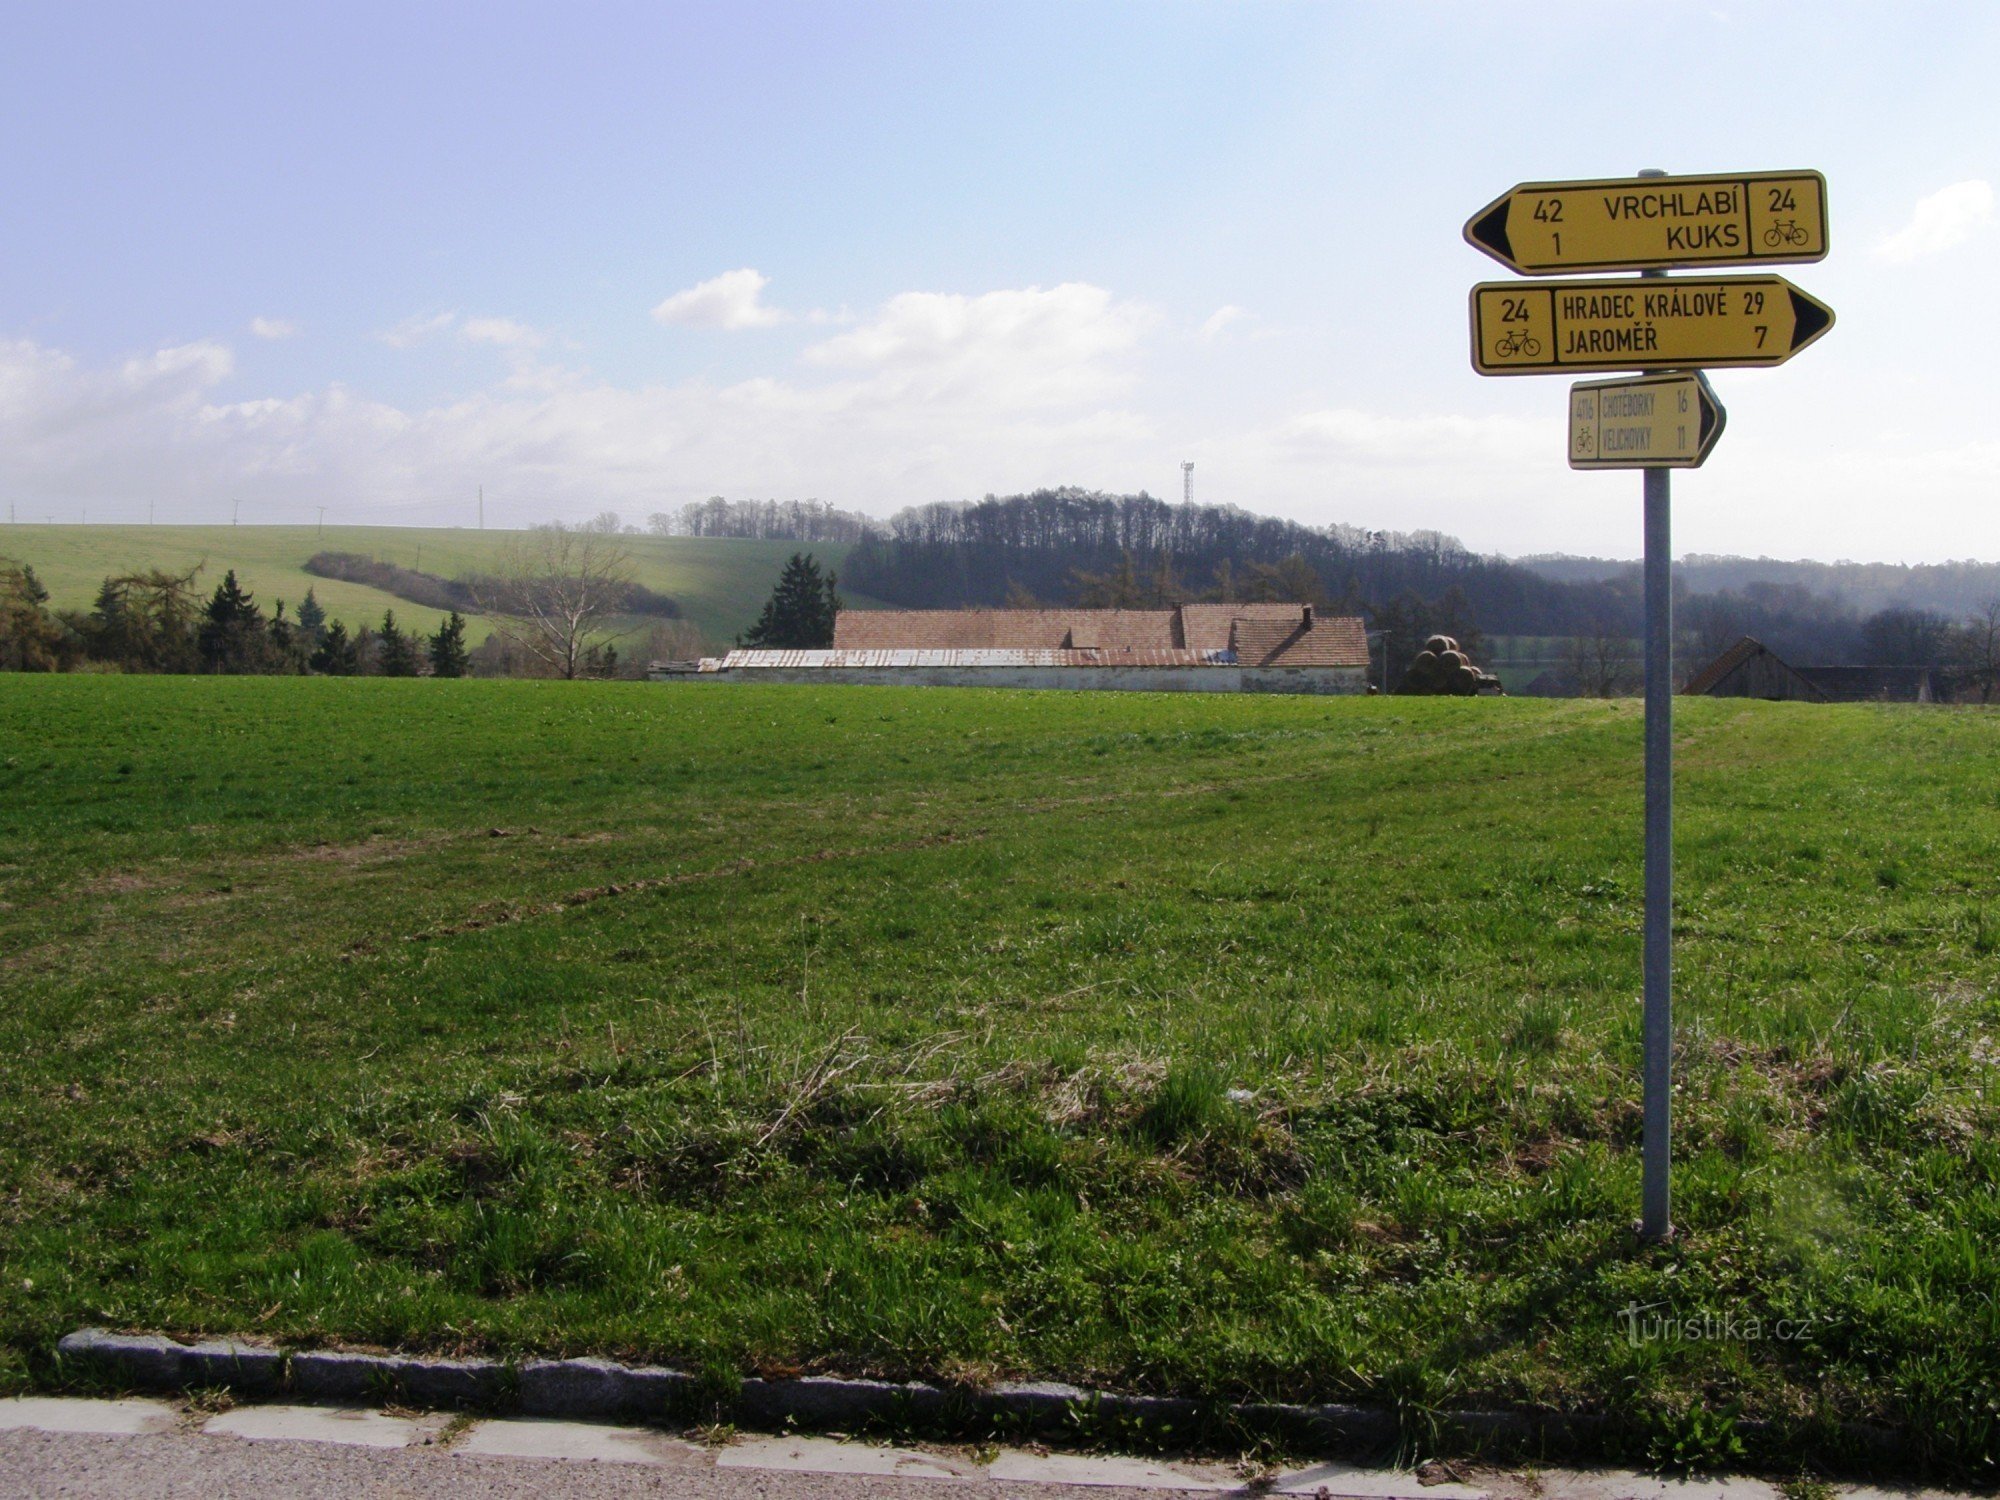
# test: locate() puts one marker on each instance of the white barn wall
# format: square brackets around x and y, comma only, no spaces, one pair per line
[1318,680]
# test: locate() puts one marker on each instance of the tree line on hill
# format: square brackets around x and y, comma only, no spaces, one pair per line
[1089,549]
[554,606]
[1072,546]
[1953,589]
[157,621]
[763,520]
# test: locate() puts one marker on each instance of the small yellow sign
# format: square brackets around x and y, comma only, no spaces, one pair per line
[1650,422]
[1642,223]
[1677,323]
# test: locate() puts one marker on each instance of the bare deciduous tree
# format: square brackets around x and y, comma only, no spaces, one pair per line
[1600,662]
[665,640]
[556,593]
[1978,652]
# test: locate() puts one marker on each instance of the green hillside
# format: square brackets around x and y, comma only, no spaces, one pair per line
[720,584]
[1230,1046]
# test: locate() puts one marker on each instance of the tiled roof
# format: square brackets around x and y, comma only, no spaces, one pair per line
[1333,641]
[1047,629]
[1261,634]
[1257,642]
[1296,641]
[1131,629]
[1205,627]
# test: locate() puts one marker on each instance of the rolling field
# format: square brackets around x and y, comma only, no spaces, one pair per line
[720,584]
[1181,1043]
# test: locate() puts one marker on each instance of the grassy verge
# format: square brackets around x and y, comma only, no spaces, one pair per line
[1228,1047]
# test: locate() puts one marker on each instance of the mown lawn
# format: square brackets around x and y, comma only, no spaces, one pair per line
[1184,1044]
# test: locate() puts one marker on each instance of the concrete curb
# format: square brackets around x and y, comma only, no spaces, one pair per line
[602,1388]
[605,1389]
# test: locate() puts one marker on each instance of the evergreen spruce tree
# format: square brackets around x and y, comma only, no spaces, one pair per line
[286,653]
[800,613]
[31,639]
[109,634]
[396,649]
[335,655]
[231,638]
[447,648]
[312,620]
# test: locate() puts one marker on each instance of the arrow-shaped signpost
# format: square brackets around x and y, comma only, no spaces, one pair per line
[1653,223]
[1686,322]
[1655,423]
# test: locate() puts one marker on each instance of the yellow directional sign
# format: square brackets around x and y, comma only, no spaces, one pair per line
[1642,223]
[1668,323]
[1647,422]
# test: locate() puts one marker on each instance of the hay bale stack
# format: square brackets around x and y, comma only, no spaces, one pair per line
[1441,669]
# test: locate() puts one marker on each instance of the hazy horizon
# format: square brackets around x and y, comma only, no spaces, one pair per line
[636,525]
[266,261]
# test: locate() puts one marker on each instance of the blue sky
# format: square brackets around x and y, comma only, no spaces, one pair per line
[606,256]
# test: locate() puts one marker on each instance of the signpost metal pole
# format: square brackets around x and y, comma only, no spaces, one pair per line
[1656,1215]
[1657,1221]
[1673,334]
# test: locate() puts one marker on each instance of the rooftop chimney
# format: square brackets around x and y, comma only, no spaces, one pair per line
[1307,623]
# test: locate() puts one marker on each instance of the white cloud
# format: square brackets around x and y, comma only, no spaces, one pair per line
[1943,221]
[926,397]
[68,430]
[504,332]
[1355,436]
[905,423]
[731,300]
[417,328]
[274,328]
[1031,347]
[1220,319]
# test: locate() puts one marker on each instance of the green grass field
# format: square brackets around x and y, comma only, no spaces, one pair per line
[720,584]
[1196,1044]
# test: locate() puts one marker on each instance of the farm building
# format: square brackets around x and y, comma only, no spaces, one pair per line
[1750,669]
[1217,648]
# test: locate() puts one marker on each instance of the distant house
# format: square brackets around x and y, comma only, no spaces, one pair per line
[1750,669]
[1228,648]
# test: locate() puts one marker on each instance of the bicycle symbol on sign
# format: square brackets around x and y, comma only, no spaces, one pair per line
[1785,232]
[1517,343]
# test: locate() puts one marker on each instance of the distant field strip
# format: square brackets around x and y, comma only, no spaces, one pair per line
[1233,1046]
[719,583]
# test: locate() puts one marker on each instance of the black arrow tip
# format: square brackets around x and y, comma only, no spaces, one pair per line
[1490,231]
[1809,318]
[1713,418]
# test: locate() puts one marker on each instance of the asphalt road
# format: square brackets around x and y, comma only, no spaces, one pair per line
[192,1466]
